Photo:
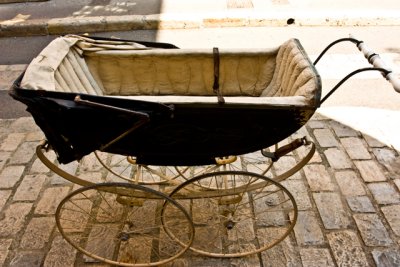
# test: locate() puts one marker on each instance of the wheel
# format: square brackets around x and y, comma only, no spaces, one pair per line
[232,220]
[126,168]
[121,224]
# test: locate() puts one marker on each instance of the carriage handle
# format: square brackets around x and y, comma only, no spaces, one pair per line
[373,58]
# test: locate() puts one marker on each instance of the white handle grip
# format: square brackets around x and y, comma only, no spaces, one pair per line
[377,62]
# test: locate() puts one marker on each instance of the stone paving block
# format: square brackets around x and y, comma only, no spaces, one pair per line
[370,171]
[282,254]
[337,159]
[29,188]
[384,193]
[199,261]
[349,183]
[61,254]
[332,212]
[318,178]
[14,218]
[342,130]
[347,249]
[51,198]
[284,164]
[24,125]
[386,258]
[4,248]
[90,163]
[248,261]
[392,215]
[355,148]
[7,78]
[12,141]
[38,167]
[4,156]
[10,176]
[360,204]
[372,230]
[303,151]
[372,142]
[37,233]
[24,153]
[35,136]
[316,124]
[307,229]
[325,138]
[4,195]
[390,159]
[397,183]
[27,258]
[70,168]
[299,192]
[316,257]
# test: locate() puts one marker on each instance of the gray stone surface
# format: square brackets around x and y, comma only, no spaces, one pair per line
[386,258]
[307,229]
[325,138]
[14,218]
[347,249]
[37,233]
[318,178]
[384,193]
[29,188]
[370,171]
[337,159]
[332,211]
[360,204]
[392,215]
[349,183]
[11,175]
[355,148]
[316,257]
[61,254]
[372,230]
[49,201]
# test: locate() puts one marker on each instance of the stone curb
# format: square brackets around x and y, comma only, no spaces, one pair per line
[59,26]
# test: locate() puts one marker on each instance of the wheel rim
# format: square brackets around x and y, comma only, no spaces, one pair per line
[231,222]
[107,223]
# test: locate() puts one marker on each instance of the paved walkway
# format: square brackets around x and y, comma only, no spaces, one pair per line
[59,17]
[348,198]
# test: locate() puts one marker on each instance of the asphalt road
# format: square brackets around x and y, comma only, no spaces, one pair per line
[63,8]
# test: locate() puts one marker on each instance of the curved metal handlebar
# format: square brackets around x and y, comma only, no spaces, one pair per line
[375,60]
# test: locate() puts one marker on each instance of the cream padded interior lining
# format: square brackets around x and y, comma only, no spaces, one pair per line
[181,72]
[81,65]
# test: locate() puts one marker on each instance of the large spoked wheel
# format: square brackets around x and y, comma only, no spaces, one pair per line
[122,224]
[235,219]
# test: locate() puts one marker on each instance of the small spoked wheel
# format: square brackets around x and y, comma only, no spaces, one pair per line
[121,224]
[247,214]
[125,168]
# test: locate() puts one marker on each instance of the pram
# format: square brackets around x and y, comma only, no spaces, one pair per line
[163,106]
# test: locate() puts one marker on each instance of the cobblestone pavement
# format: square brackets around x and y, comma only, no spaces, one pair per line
[348,199]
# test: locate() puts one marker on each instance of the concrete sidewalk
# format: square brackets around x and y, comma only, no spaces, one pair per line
[175,14]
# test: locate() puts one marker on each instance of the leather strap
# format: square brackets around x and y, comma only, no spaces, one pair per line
[221,99]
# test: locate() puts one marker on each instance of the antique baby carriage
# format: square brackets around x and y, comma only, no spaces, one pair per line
[158,105]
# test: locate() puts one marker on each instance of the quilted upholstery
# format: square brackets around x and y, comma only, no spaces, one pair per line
[81,65]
